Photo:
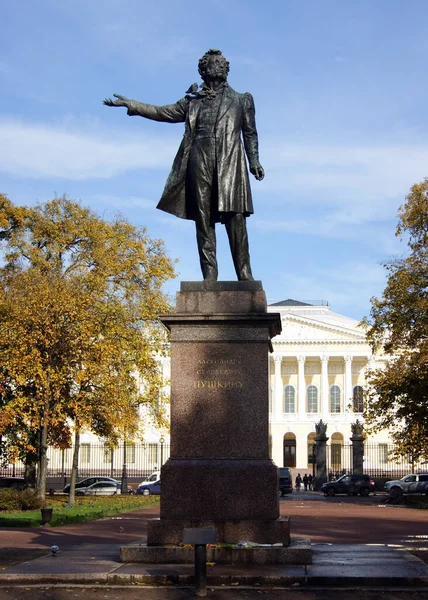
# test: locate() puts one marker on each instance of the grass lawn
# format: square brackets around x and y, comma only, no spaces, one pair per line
[86,509]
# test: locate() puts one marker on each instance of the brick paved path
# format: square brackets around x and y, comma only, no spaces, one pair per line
[324,520]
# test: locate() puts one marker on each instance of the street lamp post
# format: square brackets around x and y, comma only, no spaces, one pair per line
[124,481]
[162,441]
[63,466]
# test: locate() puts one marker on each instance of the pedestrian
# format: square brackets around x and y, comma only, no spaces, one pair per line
[305,482]
[298,482]
[310,482]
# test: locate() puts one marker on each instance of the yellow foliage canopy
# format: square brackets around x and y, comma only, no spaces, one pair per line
[79,335]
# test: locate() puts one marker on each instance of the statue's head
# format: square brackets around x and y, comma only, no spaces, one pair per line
[213,65]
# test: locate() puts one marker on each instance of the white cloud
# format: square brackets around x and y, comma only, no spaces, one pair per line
[356,173]
[353,185]
[40,150]
[338,226]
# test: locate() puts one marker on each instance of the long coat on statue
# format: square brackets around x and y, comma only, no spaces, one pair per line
[236,115]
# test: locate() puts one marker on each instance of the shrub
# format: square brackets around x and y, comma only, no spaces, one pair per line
[11,499]
[29,500]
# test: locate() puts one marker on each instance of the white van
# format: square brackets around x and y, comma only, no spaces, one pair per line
[152,477]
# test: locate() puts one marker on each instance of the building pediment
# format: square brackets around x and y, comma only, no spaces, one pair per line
[299,330]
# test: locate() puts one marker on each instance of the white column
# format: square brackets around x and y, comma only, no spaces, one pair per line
[279,394]
[347,400]
[325,410]
[301,386]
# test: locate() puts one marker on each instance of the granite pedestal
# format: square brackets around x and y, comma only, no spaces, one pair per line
[219,472]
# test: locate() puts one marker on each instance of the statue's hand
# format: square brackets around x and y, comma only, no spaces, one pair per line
[121,101]
[258,171]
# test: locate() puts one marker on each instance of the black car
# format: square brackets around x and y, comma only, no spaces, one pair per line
[349,484]
[285,481]
[17,483]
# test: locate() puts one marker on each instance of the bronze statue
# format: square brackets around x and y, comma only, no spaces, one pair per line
[357,428]
[321,428]
[209,180]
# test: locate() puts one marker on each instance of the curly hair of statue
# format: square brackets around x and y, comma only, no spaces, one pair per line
[203,61]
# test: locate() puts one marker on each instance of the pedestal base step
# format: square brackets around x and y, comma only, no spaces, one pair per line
[162,532]
[299,552]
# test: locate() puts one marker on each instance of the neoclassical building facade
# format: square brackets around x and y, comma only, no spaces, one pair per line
[317,371]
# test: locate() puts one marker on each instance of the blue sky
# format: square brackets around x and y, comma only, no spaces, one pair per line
[341,104]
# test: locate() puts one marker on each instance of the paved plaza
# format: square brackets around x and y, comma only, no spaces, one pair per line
[357,542]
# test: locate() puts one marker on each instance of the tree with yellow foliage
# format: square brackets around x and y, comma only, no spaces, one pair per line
[79,335]
[398,394]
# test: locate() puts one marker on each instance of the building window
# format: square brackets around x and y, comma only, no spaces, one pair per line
[289,450]
[107,453]
[85,454]
[289,399]
[130,452]
[336,457]
[383,453]
[312,399]
[153,456]
[311,450]
[335,399]
[358,399]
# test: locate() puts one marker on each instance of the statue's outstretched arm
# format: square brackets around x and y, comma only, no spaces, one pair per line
[170,113]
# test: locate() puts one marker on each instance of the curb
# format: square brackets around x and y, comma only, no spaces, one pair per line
[176,579]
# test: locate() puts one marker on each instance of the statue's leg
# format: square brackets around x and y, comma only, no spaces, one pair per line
[236,228]
[206,239]
[199,184]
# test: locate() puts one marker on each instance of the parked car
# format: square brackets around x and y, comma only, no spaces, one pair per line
[349,484]
[17,483]
[152,477]
[100,488]
[84,483]
[416,483]
[150,488]
[285,481]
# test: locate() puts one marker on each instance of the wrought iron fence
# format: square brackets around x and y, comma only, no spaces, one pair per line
[339,460]
[143,459]
[101,459]
[378,461]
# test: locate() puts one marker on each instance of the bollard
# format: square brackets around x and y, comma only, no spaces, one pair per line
[200,537]
[200,569]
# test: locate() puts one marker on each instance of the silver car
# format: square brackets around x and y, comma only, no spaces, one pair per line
[417,483]
[100,488]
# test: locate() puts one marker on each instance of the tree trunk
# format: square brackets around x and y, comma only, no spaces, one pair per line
[30,470]
[43,463]
[74,466]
